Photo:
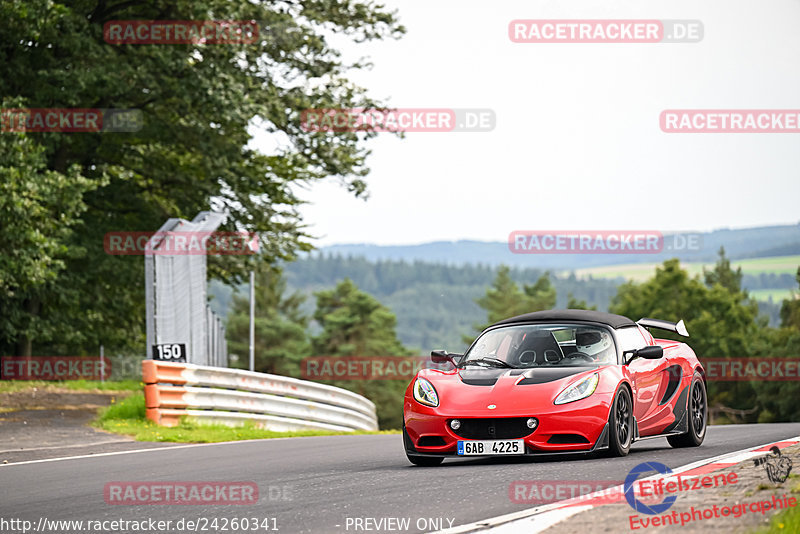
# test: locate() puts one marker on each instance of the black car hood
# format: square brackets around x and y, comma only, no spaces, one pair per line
[480,376]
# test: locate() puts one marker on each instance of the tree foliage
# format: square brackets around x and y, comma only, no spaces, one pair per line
[504,298]
[790,308]
[723,275]
[723,323]
[200,104]
[354,323]
[578,304]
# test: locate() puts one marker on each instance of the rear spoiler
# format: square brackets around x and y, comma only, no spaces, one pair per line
[678,328]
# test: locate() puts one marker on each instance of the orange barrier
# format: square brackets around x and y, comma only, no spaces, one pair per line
[233,396]
[156,396]
[154,371]
[165,417]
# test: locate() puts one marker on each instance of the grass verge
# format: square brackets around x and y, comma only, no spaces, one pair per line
[127,417]
[13,386]
[789,519]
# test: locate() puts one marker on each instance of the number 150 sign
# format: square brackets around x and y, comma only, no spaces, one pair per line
[170,352]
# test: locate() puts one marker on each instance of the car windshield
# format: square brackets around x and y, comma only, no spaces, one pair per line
[542,345]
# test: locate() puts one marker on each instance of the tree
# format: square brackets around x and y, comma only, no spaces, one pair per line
[780,400]
[722,322]
[541,295]
[354,323]
[504,298]
[723,275]
[790,308]
[40,209]
[281,338]
[199,103]
[575,304]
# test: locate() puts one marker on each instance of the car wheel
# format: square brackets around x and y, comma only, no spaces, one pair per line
[416,459]
[620,424]
[698,416]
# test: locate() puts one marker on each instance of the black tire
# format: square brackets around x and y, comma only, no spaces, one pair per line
[416,459]
[620,424]
[698,416]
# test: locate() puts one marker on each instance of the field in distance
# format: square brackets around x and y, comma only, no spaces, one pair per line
[639,272]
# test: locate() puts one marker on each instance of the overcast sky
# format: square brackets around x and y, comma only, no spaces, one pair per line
[577,144]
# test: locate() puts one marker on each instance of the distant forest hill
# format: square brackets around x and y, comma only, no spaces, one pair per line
[434,303]
[758,242]
[432,287]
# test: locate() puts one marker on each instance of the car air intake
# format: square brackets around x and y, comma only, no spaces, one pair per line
[499,428]
[567,439]
[430,441]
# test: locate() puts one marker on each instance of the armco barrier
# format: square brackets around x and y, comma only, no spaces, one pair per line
[233,396]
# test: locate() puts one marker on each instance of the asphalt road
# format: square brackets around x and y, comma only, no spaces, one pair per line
[316,484]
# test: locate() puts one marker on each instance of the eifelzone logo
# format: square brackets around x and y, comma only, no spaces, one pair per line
[633,476]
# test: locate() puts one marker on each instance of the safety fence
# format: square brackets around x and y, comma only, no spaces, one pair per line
[233,396]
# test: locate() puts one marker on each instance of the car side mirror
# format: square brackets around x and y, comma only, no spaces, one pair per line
[442,356]
[651,352]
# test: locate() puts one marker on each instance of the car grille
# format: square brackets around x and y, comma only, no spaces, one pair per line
[500,428]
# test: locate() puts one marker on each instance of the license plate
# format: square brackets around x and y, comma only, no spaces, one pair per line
[490,447]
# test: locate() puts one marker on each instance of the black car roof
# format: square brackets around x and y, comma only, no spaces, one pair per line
[610,319]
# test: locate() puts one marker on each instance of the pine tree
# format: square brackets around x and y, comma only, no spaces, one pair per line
[354,323]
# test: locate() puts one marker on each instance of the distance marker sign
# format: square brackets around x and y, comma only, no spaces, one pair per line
[170,352]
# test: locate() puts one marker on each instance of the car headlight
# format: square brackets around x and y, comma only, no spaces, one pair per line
[579,390]
[425,393]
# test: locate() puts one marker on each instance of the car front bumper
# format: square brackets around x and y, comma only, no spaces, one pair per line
[575,427]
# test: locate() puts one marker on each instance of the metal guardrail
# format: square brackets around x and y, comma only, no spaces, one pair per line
[232,396]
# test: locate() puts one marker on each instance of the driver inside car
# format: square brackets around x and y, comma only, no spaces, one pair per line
[596,344]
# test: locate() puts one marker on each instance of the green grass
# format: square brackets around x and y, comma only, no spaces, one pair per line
[786,521]
[127,417]
[11,386]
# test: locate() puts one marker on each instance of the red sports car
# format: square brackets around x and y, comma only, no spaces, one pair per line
[557,381]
